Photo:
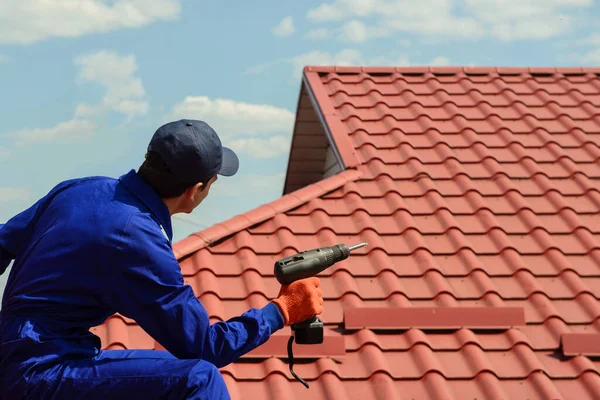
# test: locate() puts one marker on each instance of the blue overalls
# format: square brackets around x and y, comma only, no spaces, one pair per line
[92,247]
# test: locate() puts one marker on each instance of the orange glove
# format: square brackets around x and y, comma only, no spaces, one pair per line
[300,300]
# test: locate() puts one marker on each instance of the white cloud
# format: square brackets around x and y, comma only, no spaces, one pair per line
[284,28]
[124,91]
[514,9]
[502,19]
[248,183]
[342,9]
[591,40]
[440,61]
[318,34]
[406,16]
[260,148]
[29,21]
[4,153]
[592,57]
[355,31]
[382,61]
[10,194]
[4,59]
[353,57]
[233,118]
[345,57]
[438,25]
[69,130]
[124,94]
[534,19]
[260,130]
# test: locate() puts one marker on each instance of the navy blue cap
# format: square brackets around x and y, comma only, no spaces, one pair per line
[193,151]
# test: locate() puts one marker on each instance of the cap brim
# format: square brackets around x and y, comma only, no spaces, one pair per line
[231,163]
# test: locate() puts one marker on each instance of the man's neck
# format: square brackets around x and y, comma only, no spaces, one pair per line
[172,205]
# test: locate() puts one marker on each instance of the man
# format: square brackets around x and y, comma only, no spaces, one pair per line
[95,246]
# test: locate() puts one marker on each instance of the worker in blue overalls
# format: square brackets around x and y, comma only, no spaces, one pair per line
[96,246]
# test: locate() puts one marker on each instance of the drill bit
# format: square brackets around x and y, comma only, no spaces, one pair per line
[358,246]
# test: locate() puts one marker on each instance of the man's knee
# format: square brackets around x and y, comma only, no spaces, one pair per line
[206,378]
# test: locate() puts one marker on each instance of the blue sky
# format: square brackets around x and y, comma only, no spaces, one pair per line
[84,84]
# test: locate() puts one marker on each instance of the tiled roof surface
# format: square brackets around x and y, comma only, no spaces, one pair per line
[474,188]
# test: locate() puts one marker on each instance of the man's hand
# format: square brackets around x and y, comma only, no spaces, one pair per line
[300,300]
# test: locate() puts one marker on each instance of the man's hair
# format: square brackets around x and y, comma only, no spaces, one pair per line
[156,173]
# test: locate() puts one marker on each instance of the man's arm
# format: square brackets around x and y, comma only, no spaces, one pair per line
[148,287]
[5,255]
[15,234]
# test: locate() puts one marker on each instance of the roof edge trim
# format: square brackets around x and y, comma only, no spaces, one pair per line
[343,149]
[434,317]
[240,222]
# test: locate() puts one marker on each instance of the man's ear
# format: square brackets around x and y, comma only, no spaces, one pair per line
[193,190]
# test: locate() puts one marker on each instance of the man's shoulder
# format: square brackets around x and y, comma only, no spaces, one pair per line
[83,189]
[89,192]
[92,180]
[113,209]
[95,202]
[142,225]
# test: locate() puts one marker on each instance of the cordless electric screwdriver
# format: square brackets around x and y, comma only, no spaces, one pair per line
[305,265]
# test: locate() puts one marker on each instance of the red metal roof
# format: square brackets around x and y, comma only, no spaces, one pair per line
[476,189]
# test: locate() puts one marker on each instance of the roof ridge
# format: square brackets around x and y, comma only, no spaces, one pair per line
[203,238]
[450,69]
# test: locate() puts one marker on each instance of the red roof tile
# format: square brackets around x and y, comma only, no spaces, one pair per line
[433,317]
[581,343]
[476,188]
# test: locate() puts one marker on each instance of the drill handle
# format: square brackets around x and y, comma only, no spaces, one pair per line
[309,331]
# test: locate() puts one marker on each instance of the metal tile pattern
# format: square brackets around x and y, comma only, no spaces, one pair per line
[474,188]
